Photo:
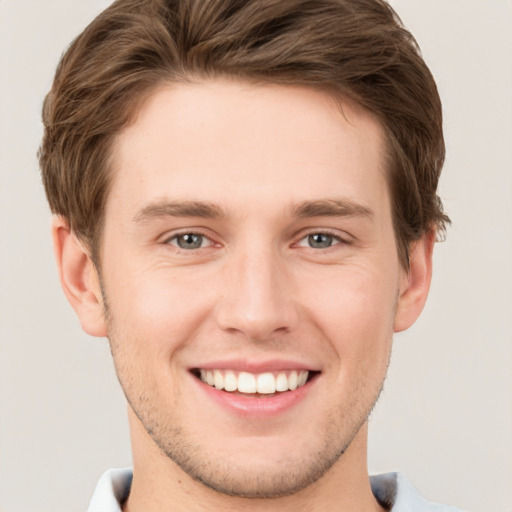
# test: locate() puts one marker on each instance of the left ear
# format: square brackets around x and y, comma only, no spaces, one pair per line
[416,282]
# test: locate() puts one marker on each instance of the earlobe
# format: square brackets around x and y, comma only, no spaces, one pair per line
[78,278]
[416,283]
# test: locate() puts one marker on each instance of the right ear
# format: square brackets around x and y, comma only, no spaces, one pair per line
[78,278]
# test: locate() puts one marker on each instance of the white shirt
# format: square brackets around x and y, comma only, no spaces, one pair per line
[392,490]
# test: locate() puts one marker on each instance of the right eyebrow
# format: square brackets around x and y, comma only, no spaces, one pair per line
[332,208]
[178,209]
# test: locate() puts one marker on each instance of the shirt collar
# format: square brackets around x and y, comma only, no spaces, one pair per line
[392,490]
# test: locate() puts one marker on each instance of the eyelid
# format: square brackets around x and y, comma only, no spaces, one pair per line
[341,238]
[166,240]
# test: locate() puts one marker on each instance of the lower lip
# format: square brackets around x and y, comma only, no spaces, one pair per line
[255,406]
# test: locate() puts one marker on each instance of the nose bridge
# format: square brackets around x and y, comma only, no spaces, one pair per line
[258,298]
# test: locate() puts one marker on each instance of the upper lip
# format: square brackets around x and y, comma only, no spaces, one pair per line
[255,366]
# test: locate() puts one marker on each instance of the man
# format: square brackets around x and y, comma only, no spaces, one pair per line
[245,205]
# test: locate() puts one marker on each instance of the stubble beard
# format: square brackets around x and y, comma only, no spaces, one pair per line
[235,477]
[238,476]
[241,478]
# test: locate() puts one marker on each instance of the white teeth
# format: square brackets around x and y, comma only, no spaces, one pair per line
[282,381]
[218,379]
[292,381]
[230,381]
[264,383]
[246,383]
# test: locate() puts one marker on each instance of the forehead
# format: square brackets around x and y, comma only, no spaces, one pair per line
[220,140]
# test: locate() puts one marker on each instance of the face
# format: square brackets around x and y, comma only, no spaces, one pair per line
[251,277]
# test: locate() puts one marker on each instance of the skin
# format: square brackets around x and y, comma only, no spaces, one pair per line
[269,162]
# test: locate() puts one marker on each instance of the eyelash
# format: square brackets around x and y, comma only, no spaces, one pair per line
[336,239]
[176,236]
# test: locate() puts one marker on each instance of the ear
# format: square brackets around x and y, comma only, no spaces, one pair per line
[79,278]
[415,283]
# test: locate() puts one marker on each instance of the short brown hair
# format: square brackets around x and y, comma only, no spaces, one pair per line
[358,49]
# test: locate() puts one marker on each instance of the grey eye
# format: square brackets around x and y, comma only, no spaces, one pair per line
[189,241]
[320,240]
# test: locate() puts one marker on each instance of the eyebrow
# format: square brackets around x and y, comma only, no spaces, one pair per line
[331,208]
[179,209]
[206,210]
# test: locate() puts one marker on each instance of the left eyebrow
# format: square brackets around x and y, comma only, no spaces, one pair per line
[331,208]
[179,209]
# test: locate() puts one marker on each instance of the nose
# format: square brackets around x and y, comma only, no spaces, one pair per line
[258,297]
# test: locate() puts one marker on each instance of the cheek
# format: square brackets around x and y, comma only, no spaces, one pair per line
[354,308]
[155,313]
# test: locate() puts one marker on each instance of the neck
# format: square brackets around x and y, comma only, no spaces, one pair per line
[161,485]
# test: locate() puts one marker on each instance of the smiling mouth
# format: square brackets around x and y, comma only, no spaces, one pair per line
[267,383]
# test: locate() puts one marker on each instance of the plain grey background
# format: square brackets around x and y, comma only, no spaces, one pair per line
[445,418]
